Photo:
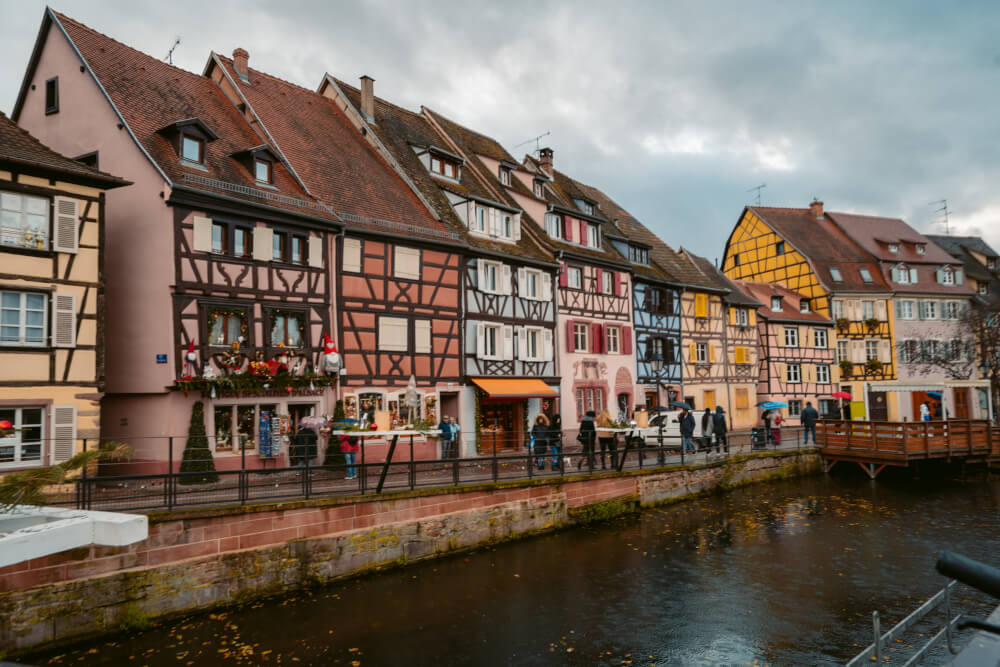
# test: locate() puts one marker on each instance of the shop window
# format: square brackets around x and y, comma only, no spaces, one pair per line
[239,427]
[286,329]
[226,326]
[24,445]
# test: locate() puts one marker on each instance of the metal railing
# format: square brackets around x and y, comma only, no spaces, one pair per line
[380,466]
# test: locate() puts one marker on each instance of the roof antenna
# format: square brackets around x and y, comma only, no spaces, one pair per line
[170,53]
[943,209]
[758,189]
[537,140]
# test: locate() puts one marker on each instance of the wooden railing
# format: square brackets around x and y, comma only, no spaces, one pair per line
[897,443]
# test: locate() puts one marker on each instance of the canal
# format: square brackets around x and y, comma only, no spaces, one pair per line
[783,573]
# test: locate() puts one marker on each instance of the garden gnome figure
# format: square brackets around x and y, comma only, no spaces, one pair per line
[330,363]
[411,399]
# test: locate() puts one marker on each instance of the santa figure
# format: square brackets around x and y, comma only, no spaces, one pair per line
[330,363]
[190,367]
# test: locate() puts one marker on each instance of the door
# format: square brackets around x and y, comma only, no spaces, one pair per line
[877,406]
[933,404]
[961,395]
[709,399]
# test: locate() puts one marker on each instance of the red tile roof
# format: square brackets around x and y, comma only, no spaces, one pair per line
[21,150]
[790,311]
[874,234]
[151,95]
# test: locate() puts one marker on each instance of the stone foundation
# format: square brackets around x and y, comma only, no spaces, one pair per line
[198,559]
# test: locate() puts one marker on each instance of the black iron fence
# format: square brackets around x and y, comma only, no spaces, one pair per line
[380,466]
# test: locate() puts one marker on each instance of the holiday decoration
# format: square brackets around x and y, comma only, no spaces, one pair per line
[6,429]
[331,362]
[197,456]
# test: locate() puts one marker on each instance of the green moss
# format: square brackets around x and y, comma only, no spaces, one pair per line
[605,509]
[134,620]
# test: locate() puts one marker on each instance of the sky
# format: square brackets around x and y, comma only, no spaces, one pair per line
[675,109]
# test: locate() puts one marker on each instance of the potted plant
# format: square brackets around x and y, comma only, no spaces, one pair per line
[872,323]
[845,368]
[843,323]
[874,365]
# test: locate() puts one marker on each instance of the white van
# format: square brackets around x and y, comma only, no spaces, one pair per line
[650,435]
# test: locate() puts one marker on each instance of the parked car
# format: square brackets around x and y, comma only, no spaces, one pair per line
[650,435]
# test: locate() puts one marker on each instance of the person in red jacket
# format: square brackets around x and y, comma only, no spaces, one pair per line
[349,446]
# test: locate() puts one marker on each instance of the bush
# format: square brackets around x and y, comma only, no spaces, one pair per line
[197,455]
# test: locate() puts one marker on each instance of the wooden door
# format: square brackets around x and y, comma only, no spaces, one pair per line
[961,395]
[709,399]
[878,408]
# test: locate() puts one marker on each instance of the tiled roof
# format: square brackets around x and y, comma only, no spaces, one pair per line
[19,148]
[825,246]
[962,247]
[736,296]
[332,158]
[790,312]
[151,95]
[874,234]
[399,130]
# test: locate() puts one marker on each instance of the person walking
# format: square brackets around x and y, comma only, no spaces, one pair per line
[447,437]
[775,418]
[607,440]
[349,446]
[540,434]
[687,425]
[719,428]
[925,412]
[808,419]
[766,418]
[847,412]
[586,436]
[707,428]
[555,441]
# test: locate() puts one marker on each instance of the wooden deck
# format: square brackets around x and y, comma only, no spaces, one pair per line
[875,445]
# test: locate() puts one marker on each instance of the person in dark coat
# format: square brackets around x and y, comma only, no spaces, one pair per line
[447,438]
[687,426]
[847,412]
[586,437]
[306,446]
[707,428]
[808,418]
[555,441]
[766,418]
[540,434]
[719,429]
[608,442]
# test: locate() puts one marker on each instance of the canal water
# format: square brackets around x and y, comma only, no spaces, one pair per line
[783,573]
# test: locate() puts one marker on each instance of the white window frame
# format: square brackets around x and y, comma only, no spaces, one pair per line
[776,304]
[894,248]
[701,353]
[504,175]
[843,351]
[921,249]
[822,374]
[866,275]
[554,225]
[410,253]
[22,317]
[871,350]
[952,310]
[14,439]
[607,282]
[742,317]
[593,236]
[821,338]
[984,289]
[387,324]
[494,331]
[791,336]
[525,336]
[17,210]
[490,270]
[793,373]
[906,310]
[613,337]
[835,275]
[947,277]
[523,290]
[837,309]
[581,337]
[803,305]
[578,273]
[867,310]
[794,407]
[930,310]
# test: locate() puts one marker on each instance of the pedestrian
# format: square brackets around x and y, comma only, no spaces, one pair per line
[456,438]
[847,412]
[719,428]
[808,418]
[555,441]
[447,437]
[586,437]
[766,418]
[925,412]
[707,428]
[349,446]
[305,447]
[775,419]
[607,440]
[686,422]
[540,435]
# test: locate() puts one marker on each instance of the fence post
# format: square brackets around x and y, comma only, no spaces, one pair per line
[81,485]
[496,470]
[168,483]
[413,469]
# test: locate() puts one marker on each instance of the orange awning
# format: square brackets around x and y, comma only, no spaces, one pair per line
[514,388]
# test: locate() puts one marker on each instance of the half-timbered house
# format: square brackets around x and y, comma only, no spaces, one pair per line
[796,350]
[218,259]
[398,270]
[51,298]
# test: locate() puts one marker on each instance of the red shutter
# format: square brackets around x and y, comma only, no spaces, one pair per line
[583,232]
[596,338]
[563,276]
[626,340]
[567,227]
[617,284]
[599,279]
[570,336]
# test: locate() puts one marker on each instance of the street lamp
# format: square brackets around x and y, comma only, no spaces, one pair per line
[656,364]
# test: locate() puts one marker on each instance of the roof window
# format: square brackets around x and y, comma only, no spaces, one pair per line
[921,249]
[190,137]
[804,306]
[776,304]
[894,248]
[866,275]
[505,175]
[835,274]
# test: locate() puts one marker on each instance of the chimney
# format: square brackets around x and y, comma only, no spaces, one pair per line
[545,158]
[368,97]
[816,208]
[241,62]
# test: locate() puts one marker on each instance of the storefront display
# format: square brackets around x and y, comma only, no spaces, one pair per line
[503,419]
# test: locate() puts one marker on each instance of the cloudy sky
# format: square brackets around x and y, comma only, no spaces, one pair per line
[675,109]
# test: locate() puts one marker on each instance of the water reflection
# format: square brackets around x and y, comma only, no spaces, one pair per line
[782,574]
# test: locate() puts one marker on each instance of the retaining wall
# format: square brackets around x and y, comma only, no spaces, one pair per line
[197,559]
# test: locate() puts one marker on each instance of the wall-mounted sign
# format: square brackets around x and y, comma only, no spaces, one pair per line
[161,358]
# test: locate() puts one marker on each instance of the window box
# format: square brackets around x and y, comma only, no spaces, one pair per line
[843,323]
[873,365]
[846,368]
[872,323]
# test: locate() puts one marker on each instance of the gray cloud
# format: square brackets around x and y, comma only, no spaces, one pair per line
[675,109]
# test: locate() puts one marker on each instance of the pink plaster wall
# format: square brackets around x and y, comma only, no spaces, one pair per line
[139,228]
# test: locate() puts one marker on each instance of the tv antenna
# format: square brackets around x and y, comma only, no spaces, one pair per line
[758,189]
[170,53]
[537,140]
[944,209]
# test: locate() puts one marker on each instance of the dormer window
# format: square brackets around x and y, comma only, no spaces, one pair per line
[189,138]
[894,248]
[835,274]
[193,149]
[804,306]
[921,249]
[593,236]
[585,206]
[539,189]
[554,225]
[991,264]
[947,277]
[866,275]
[263,171]
[638,255]
[776,304]
[505,175]
[984,289]
[901,275]
[444,167]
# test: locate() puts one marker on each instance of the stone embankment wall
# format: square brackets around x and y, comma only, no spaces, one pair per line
[197,559]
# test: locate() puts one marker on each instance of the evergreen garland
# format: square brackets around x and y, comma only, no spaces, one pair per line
[197,455]
[334,455]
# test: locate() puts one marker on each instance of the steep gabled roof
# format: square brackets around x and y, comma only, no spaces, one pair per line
[763,292]
[874,234]
[20,150]
[150,95]
[825,246]
[735,296]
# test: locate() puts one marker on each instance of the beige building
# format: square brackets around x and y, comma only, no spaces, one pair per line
[51,298]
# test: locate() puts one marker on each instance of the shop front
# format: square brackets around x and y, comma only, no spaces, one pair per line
[385,410]
[506,408]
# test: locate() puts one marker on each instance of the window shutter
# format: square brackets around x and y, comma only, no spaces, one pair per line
[315,251]
[857,351]
[422,336]
[701,305]
[583,232]
[711,353]
[913,276]
[547,347]
[66,227]
[740,355]
[782,371]
[522,282]
[752,317]
[470,214]
[352,254]
[563,276]
[732,316]
[480,340]
[616,285]
[63,320]
[546,287]
[63,432]
[570,337]
[626,340]
[940,276]
[508,343]
[959,278]
[899,310]
[880,311]
[599,280]
[885,352]
[202,237]
[506,287]
[568,228]
[516,224]
[596,338]
[263,244]
[481,275]
[922,310]
[693,352]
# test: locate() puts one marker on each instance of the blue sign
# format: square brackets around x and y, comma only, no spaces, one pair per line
[161,358]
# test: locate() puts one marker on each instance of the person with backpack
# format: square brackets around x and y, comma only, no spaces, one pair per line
[686,422]
[586,436]
[540,439]
[719,429]
[707,428]
[349,446]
